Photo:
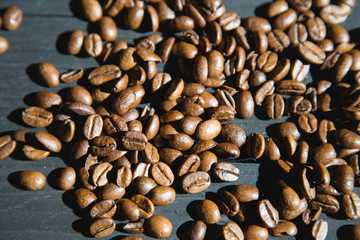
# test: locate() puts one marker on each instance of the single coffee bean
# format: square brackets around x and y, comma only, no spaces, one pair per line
[84,197]
[346,138]
[45,99]
[133,17]
[291,214]
[274,106]
[269,216]
[244,104]
[207,159]
[34,154]
[93,126]
[4,45]
[48,74]
[328,203]
[145,205]
[226,172]
[37,117]
[158,227]
[128,209]
[343,179]
[227,149]
[107,28]
[311,215]
[48,141]
[351,205]
[316,29]
[255,24]
[91,10]
[104,74]
[197,230]
[103,209]
[66,178]
[103,146]
[31,180]
[184,50]
[195,182]
[284,229]
[261,41]
[267,88]
[271,149]
[208,211]
[162,195]
[285,19]
[134,228]
[99,173]
[12,18]
[102,227]
[297,33]
[133,140]
[289,198]
[319,230]
[110,191]
[311,53]
[190,164]
[234,134]
[72,75]
[123,176]
[278,40]
[93,45]
[255,145]
[162,174]
[255,232]
[76,41]
[275,8]
[228,203]
[7,146]
[232,231]
[333,14]
[290,87]
[208,129]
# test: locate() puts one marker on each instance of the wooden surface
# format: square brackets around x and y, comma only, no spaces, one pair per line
[46,214]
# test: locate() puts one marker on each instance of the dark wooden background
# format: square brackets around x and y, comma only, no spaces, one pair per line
[44,214]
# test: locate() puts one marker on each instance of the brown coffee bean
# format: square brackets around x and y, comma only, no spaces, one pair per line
[299,70]
[128,209]
[93,126]
[320,229]
[72,75]
[102,227]
[227,149]
[181,141]
[145,205]
[257,78]
[267,88]
[208,211]
[144,185]
[164,11]
[333,14]
[162,174]
[307,123]
[133,140]
[45,99]
[12,18]
[104,74]
[275,8]
[232,231]
[278,40]
[269,216]
[114,123]
[37,117]
[274,106]
[255,232]
[190,164]
[103,209]
[288,129]
[324,153]
[284,229]
[267,61]
[103,146]
[343,179]
[162,195]
[84,197]
[291,214]
[7,146]
[346,138]
[234,134]
[255,145]
[208,129]
[128,99]
[227,203]
[4,45]
[311,53]
[261,41]
[226,172]
[195,182]
[271,149]
[255,24]
[289,198]
[244,104]
[158,227]
[133,17]
[297,33]
[207,159]
[75,42]
[32,180]
[34,154]
[184,50]
[285,19]
[48,141]
[48,74]
[99,173]
[93,45]
[66,178]
[197,230]
[181,23]
[290,87]
[123,177]
[91,10]
[351,205]
[316,29]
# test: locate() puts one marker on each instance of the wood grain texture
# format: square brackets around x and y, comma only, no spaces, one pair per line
[46,214]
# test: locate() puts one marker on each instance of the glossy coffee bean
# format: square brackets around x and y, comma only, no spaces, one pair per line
[76,41]
[32,180]
[48,74]
[93,45]
[12,18]
[245,193]
[102,227]
[197,230]
[162,195]
[4,45]
[195,182]
[84,197]
[158,227]
[208,211]
[66,178]
[226,172]
[7,146]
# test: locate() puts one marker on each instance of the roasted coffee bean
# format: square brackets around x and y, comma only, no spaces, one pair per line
[274,106]
[255,145]
[107,28]
[227,149]
[48,74]
[12,18]
[350,205]
[189,124]
[328,203]
[182,23]
[267,88]
[123,177]
[72,75]
[289,198]
[162,174]
[244,104]
[269,216]
[325,126]
[93,126]
[184,50]
[346,138]
[103,209]
[291,214]
[91,10]
[145,205]
[133,228]
[324,153]
[226,172]
[255,232]
[271,149]
[342,67]
[232,231]
[234,134]
[343,179]
[275,8]
[195,182]
[45,99]
[285,19]
[207,159]
[34,154]
[4,45]
[133,17]
[208,129]
[75,42]
[104,74]
[7,146]
[228,203]
[111,191]
[333,14]
[66,178]
[197,230]
[162,195]
[307,190]
[316,29]
[257,78]
[297,33]
[278,40]
[31,180]
[255,24]
[158,227]
[190,164]
[144,185]
[311,53]
[84,197]
[320,229]
[307,123]
[48,141]
[288,129]
[128,99]
[99,173]
[267,61]
[102,227]
[128,209]
[103,146]
[181,141]
[261,41]
[133,140]
[284,229]
[290,87]
[202,146]
[93,45]
[208,211]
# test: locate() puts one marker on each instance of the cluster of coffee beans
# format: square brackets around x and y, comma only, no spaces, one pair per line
[9,20]
[126,159]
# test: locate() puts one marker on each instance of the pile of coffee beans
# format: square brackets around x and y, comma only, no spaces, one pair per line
[136,136]
[10,20]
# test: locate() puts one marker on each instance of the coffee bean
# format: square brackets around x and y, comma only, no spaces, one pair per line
[162,195]
[226,172]
[84,197]
[48,141]
[284,229]
[45,99]
[162,174]
[197,230]
[316,29]
[290,87]
[267,88]
[72,75]
[255,24]
[275,8]
[244,104]
[228,203]
[208,211]
[133,140]
[234,134]
[103,146]
[278,40]
[333,14]
[91,10]
[7,146]
[307,123]
[351,205]
[291,214]
[103,209]
[33,153]
[207,159]
[289,198]
[128,99]
[93,45]
[31,180]
[102,227]
[255,145]
[104,74]
[48,74]
[320,229]
[269,216]
[343,179]
[311,53]
[253,232]
[328,203]
[12,18]
[189,164]
[145,205]
[195,182]
[285,19]
[158,227]
[297,33]
[123,177]
[93,126]
[307,190]
[184,50]
[4,45]
[75,42]
[66,178]
[110,191]
[232,231]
